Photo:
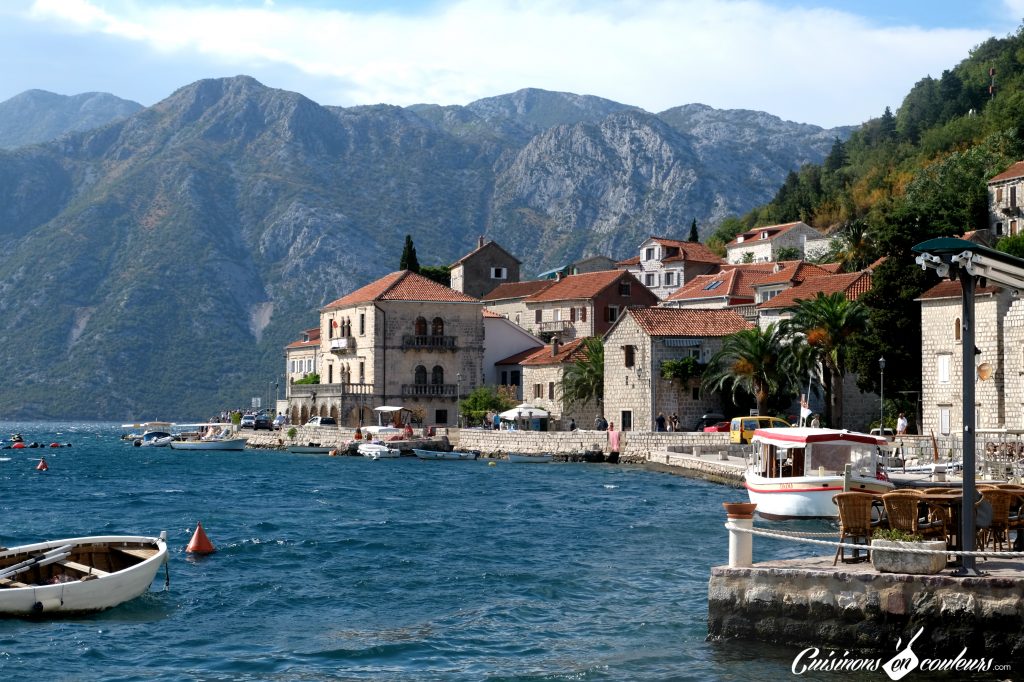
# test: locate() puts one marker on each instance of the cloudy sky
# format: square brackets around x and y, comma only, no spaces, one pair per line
[826,62]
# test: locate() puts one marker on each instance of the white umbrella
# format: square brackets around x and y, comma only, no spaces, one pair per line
[524,411]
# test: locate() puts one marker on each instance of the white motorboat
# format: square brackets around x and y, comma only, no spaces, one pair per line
[213,436]
[78,575]
[155,439]
[377,450]
[438,454]
[522,457]
[793,473]
[150,432]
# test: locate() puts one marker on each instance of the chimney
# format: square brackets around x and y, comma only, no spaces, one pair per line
[554,346]
[558,276]
[480,242]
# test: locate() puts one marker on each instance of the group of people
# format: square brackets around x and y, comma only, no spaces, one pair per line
[663,423]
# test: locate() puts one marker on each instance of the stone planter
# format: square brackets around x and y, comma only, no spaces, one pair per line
[739,510]
[902,562]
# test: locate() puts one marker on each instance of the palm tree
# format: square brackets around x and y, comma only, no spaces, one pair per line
[757,361]
[826,323]
[583,380]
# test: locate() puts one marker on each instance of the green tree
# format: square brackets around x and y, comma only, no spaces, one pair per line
[583,380]
[694,236]
[439,273]
[408,260]
[1012,245]
[826,323]
[475,406]
[755,361]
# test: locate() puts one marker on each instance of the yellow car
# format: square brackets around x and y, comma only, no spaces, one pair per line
[742,428]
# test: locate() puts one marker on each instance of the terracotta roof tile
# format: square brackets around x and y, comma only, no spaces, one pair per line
[831,267]
[1014,171]
[694,251]
[853,284]
[490,313]
[568,352]
[312,334]
[402,286]
[948,288]
[688,321]
[733,283]
[517,358]
[754,233]
[508,290]
[583,286]
[792,271]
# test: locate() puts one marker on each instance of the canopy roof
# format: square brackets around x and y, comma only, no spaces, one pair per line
[796,437]
[524,411]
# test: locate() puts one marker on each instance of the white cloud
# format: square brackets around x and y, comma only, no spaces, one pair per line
[815,65]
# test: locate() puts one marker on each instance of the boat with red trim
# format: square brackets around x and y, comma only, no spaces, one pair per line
[793,473]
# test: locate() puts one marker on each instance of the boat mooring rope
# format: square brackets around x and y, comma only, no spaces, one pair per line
[788,535]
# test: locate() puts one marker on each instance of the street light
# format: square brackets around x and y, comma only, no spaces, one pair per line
[458,400]
[881,396]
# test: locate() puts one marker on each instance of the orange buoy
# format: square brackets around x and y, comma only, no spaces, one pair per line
[200,544]
[42,466]
[54,445]
[19,445]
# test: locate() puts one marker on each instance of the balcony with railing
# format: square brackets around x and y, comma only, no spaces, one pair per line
[329,390]
[429,390]
[428,342]
[343,345]
[555,325]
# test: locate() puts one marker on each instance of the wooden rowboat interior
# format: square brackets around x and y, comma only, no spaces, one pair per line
[86,562]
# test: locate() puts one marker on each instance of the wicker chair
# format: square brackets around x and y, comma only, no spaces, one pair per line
[902,510]
[997,531]
[854,523]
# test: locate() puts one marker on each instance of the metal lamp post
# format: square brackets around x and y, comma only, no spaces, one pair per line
[881,397]
[458,399]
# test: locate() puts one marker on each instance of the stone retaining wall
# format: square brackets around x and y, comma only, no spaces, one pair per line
[830,607]
[636,445]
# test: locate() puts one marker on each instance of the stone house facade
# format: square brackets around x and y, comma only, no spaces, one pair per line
[301,357]
[664,265]
[763,243]
[584,305]
[635,349]
[402,340]
[543,371]
[509,300]
[481,270]
[1005,199]
[999,333]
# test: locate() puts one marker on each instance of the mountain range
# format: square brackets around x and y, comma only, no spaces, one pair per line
[157,259]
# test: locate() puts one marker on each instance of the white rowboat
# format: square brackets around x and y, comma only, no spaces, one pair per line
[523,457]
[78,575]
[436,454]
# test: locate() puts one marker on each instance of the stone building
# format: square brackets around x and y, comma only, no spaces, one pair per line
[481,270]
[762,244]
[302,357]
[1005,197]
[584,305]
[635,349]
[509,300]
[733,287]
[999,340]
[503,338]
[664,265]
[543,371]
[402,340]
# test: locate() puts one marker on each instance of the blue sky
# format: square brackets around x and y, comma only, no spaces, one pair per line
[826,62]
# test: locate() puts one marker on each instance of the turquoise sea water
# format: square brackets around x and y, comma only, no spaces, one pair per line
[351,569]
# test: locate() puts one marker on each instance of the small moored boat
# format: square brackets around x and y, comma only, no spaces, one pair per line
[524,457]
[437,454]
[309,449]
[78,575]
[210,437]
[378,451]
[794,472]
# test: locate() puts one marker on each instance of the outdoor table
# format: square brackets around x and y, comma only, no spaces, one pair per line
[953,502]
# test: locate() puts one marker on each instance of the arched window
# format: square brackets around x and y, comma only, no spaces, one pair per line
[956,329]
[437,327]
[420,375]
[437,376]
[421,327]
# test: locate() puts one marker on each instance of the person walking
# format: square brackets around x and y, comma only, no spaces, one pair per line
[572,424]
[901,425]
[660,421]
[815,423]
[614,442]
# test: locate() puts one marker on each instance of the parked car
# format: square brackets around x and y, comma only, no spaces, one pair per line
[322,421]
[742,428]
[708,419]
[248,421]
[262,421]
[720,427]
[888,433]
